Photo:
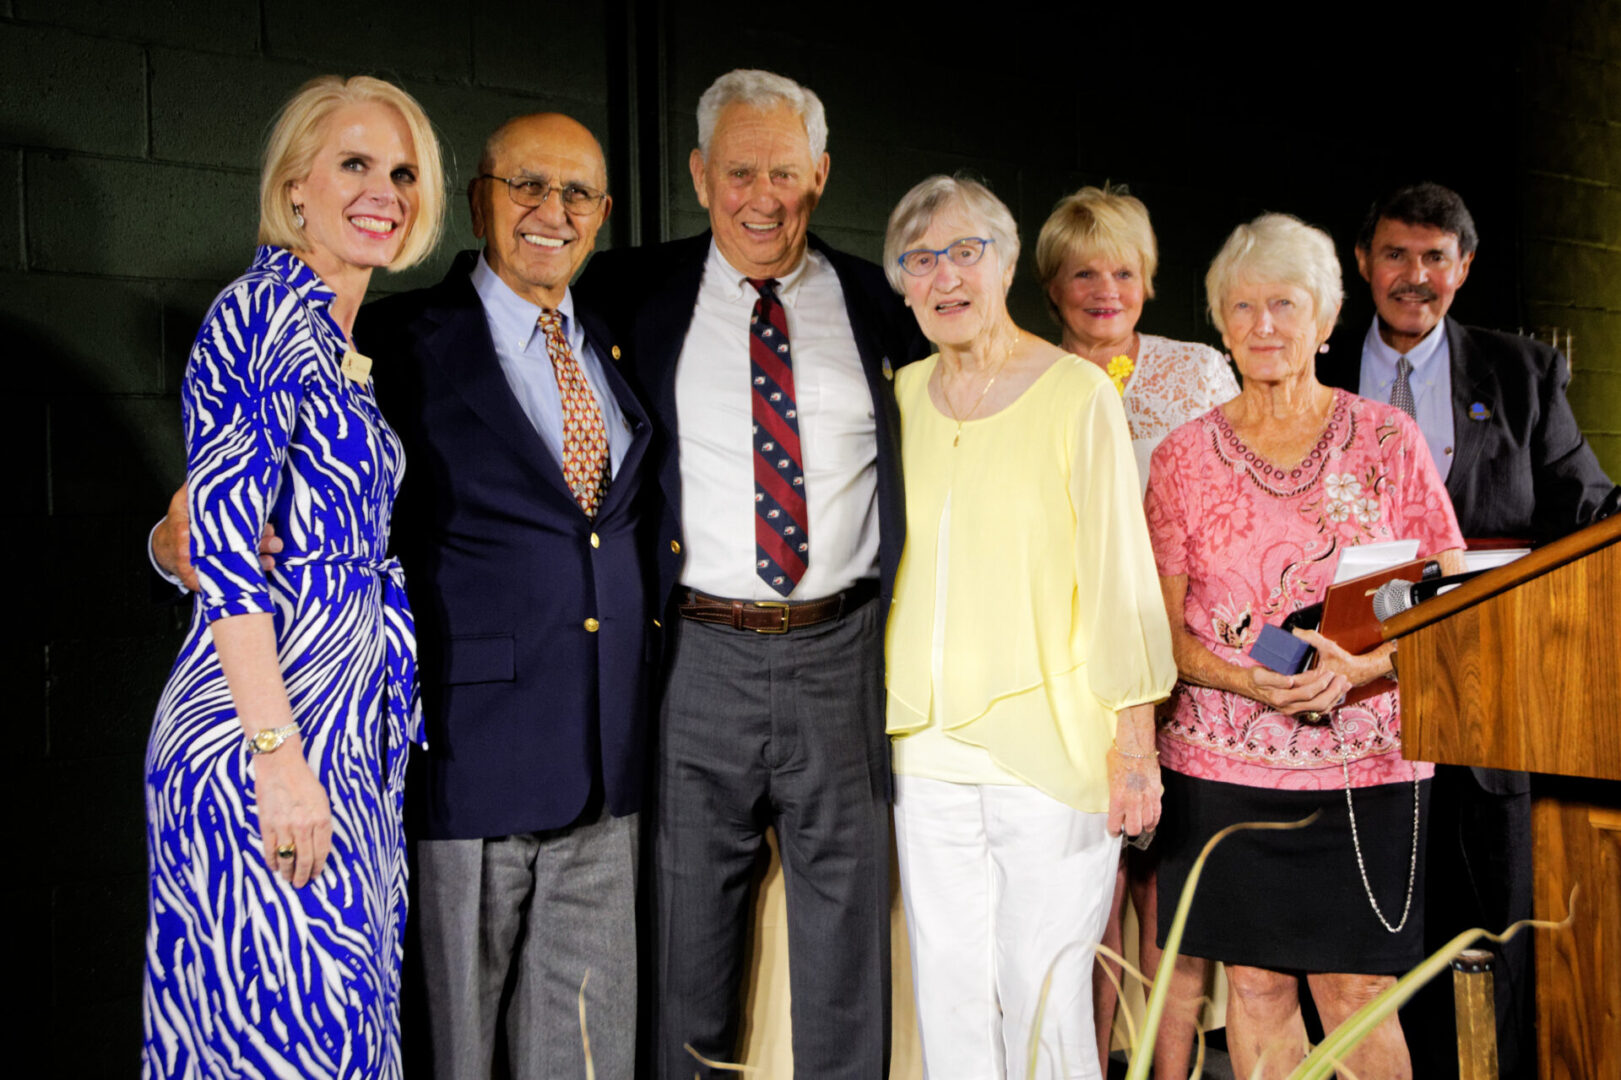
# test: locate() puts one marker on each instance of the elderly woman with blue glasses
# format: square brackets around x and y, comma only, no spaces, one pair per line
[1027,646]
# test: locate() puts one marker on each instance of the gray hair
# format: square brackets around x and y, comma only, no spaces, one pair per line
[762,90]
[1277,247]
[917,209]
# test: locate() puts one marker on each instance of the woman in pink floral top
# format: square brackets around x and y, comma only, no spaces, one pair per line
[1249,507]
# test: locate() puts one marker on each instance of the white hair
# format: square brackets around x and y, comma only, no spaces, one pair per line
[916,211]
[1277,248]
[762,90]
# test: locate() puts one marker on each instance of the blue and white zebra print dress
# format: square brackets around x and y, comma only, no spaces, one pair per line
[245,975]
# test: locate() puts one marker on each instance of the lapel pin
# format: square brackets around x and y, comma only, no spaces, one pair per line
[615,351]
[889,372]
[1478,411]
[355,367]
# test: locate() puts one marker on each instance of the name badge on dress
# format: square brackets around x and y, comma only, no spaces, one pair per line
[355,367]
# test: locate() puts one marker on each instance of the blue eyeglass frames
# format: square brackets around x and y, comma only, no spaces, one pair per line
[963,251]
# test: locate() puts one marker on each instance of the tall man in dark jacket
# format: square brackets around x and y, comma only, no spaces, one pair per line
[1493,410]
[766,358]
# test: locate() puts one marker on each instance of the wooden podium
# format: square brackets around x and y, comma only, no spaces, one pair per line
[1520,668]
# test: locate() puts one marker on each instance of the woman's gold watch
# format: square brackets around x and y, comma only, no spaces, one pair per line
[267,739]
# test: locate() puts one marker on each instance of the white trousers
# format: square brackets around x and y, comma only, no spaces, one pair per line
[1001,885]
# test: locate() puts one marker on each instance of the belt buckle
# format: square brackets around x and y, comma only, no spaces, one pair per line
[783,629]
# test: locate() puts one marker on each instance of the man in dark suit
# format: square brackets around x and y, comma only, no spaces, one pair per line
[517,527]
[767,357]
[1493,410]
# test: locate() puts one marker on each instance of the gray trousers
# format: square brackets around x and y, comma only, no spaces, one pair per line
[507,929]
[787,733]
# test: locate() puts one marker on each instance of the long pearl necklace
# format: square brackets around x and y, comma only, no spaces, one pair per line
[980,400]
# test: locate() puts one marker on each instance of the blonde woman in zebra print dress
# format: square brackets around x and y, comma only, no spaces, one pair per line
[276,763]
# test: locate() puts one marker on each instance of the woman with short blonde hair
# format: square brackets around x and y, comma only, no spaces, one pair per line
[1096,257]
[276,762]
[297,136]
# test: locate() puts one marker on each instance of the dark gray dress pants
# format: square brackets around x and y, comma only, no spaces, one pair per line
[784,732]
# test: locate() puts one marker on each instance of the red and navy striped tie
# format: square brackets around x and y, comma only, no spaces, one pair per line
[781,539]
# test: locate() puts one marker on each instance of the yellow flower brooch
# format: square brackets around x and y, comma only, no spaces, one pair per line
[1120,369]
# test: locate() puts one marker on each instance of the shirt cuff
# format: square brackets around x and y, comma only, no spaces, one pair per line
[152,558]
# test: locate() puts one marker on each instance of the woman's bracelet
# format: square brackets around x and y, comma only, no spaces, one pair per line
[1138,757]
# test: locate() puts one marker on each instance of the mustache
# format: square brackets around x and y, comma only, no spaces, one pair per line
[1413,292]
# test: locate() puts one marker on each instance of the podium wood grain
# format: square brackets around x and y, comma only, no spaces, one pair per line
[1517,668]
[1521,669]
[1578,840]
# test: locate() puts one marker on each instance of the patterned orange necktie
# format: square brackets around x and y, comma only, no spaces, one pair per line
[585,436]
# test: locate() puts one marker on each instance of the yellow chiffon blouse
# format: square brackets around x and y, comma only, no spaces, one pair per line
[1027,608]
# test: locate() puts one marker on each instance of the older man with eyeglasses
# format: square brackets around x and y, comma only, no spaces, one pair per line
[517,527]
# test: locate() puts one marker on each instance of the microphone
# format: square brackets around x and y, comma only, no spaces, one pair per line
[1394,597]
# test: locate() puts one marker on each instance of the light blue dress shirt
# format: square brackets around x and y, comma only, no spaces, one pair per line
[520,347]
[1431,380]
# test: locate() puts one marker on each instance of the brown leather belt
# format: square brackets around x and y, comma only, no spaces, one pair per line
[775,616]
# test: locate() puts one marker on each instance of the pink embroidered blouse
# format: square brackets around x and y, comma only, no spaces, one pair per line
[1256,542]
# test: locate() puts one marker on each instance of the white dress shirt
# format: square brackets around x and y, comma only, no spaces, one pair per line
[1431,380]
[838,435]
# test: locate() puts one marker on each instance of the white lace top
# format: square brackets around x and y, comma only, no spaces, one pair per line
[1173,382]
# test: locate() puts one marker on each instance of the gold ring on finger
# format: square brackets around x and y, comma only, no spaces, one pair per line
[286,851]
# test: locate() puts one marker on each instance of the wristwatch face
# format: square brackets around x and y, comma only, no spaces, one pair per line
[265,741]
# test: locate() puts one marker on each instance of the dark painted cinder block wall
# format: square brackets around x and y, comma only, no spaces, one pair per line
[128,143]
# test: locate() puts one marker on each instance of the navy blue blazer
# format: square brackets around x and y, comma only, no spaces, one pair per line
[532,620]
[649,295]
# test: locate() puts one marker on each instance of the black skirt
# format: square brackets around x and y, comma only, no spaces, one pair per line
[1294,900]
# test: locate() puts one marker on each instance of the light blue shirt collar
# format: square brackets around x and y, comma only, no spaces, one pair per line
[1383,357]
[514,320]
[1431,382]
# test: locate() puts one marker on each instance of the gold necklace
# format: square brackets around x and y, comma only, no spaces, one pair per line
[980,400]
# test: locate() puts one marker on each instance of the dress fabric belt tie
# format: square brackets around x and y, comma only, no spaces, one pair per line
[400,635]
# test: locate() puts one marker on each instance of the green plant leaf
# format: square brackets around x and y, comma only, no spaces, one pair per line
[1142,1055]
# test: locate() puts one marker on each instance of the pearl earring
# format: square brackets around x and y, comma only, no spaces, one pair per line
[1323,348]
[298,215]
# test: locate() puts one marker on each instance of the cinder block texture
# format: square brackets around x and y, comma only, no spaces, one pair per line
[23,447]
[1608,449]
[170,221]
[350,37]
[1589,149]
[217,110]
[1596,336]
[99,564]
[114,455]
[216,25]
[1569,209]
[65,91]
[83,335]
[11,214]
[1571,274]
[566,57]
